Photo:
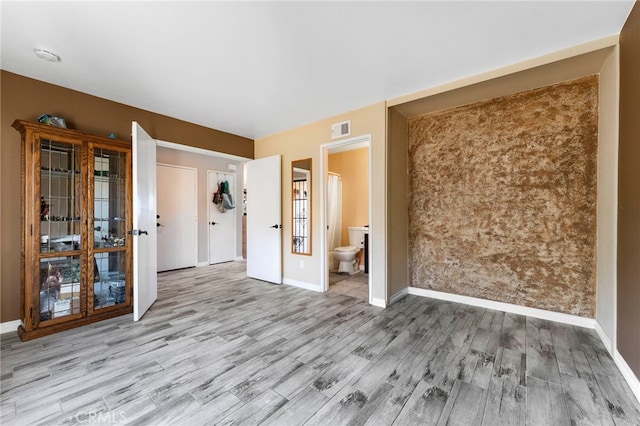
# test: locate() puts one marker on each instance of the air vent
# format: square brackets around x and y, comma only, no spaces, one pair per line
[340,129]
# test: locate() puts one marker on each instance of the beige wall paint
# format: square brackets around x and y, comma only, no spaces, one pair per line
[397,204]
[305,142]
[353,167]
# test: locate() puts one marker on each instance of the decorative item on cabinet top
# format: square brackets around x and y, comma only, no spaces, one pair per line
[77,256]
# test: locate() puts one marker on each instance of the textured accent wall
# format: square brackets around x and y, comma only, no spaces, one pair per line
[502,198]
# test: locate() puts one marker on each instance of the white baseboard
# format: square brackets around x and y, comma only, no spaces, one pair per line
[606,341]
[302,284]
[399,295]
[201,264]
[9,326]
[506,307]
[628,374]
[240,258]
[380,303]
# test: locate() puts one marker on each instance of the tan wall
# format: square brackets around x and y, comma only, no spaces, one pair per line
[353,167]
[502,198]
[398,203]
[304,142]
[628,335]
[24,98]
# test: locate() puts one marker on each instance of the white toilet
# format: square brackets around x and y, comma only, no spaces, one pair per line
[347,255]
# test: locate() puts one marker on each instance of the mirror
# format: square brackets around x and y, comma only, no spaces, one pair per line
[301,207]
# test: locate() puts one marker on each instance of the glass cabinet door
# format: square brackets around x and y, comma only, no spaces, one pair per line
[59,287]
[109,228]
[61,197]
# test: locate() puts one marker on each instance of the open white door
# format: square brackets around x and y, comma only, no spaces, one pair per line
[145,280]
[264,220]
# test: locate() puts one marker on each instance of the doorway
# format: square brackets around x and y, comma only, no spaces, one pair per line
[222,219]
[177,215]
[362,277]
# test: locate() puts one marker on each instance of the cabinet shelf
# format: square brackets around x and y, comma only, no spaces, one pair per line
[76,267]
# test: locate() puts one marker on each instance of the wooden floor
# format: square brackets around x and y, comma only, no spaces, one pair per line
[218,348]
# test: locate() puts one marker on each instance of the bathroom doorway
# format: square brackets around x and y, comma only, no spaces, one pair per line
[346,216]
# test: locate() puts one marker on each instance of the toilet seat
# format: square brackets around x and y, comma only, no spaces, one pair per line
[347,248]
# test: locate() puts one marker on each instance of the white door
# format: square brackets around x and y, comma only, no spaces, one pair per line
[264,221]
[222,226]
[177,217]
[145,280]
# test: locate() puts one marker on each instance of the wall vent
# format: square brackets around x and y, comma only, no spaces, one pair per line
[340,129]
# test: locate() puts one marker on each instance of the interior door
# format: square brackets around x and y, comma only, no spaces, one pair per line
[222,225]
[177,222]
[264,220]
[145,280]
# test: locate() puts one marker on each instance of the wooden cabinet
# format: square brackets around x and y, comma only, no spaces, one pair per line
[76,211]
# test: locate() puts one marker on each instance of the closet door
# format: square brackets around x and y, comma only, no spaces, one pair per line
[177,217]
[222,222]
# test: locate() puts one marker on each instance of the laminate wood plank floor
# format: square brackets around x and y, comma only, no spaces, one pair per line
[219,348]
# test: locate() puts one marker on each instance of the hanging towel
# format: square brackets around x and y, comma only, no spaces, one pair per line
[227,200]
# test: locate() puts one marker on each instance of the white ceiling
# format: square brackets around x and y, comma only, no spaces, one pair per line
[258,68]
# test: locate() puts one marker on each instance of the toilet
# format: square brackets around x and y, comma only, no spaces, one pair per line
[347,255]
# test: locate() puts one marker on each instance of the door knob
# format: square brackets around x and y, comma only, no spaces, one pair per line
[275,226]
[213,223]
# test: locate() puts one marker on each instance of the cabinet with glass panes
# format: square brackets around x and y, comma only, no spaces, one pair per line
[76,253]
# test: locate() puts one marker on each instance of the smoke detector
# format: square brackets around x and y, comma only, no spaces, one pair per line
[46,55]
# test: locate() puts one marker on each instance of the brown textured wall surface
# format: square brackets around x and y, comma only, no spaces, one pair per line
[502,198]
[628,292]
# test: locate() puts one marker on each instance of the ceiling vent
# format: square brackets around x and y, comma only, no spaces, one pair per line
[339,130]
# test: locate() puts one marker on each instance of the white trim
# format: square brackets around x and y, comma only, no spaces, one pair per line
[201,264]
[10,326]
[399,295]
[628,374]
[356,142]
[625,370]
[302,284]
[506,307]
[193,149]
[380,303]
[239,258]
[605,339]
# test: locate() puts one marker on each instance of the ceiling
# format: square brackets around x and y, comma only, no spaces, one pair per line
[258,68]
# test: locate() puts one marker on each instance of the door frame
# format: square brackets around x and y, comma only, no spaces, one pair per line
[210,191]
[195,172]
[361,141]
